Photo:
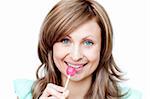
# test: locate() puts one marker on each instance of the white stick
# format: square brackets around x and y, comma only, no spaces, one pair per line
[67,82]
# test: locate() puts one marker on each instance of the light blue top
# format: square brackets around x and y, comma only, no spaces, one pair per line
[23,90]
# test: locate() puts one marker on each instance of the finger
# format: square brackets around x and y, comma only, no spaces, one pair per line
[56,87]
[53,90]
[43,97]
[52,97]
[66,93]
[63,93]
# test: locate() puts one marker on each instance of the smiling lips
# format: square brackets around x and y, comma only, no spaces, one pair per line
[77,67]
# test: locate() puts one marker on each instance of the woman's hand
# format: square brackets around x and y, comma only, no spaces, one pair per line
[53,91]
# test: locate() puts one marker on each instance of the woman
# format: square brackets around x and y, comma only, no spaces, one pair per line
[77,34]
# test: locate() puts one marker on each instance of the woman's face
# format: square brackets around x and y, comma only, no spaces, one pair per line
[80,50]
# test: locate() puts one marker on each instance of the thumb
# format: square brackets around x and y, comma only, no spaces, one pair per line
[66,94]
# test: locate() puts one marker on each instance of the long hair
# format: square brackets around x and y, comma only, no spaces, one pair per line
[64,18]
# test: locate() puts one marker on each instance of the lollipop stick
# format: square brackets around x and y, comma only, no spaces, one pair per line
[70,72]
[67,82]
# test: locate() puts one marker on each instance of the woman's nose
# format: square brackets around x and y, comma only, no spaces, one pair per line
[76,53]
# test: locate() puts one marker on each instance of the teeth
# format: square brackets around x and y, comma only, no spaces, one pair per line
[75,66]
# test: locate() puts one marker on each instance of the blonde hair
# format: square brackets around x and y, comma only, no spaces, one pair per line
[65,17]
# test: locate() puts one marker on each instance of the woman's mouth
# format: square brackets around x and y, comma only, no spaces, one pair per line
[77,66]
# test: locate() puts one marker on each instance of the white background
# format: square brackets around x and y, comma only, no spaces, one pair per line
[20,22]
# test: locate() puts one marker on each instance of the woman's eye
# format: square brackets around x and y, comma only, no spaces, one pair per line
[88,43]
[65,41]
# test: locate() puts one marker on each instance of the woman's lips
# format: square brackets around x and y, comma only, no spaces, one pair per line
[78,67]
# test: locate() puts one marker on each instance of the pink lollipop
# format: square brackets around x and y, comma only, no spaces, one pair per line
[71,71]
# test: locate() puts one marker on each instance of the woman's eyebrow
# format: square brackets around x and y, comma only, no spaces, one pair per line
[68,36]
[90,36]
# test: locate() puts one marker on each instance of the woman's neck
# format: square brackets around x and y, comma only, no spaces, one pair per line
[77,89]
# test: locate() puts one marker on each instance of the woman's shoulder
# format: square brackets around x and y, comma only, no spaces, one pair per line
[23,88]
[131,93]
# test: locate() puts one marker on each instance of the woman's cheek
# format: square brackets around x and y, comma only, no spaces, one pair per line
[92,54]
[59,51]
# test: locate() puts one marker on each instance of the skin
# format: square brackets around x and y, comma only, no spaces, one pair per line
[80,49]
